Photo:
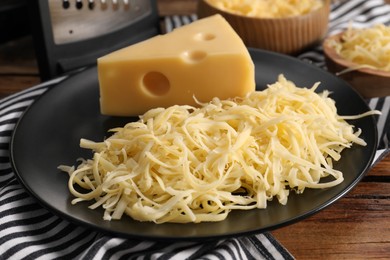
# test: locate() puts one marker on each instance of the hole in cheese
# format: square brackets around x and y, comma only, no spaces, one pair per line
[156,83]
[204,36]
[194,56]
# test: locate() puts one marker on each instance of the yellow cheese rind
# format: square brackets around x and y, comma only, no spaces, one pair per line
[201,60]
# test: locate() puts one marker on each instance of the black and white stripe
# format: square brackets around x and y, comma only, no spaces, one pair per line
[383,121]
[355,13]
[28,231]
[174,21]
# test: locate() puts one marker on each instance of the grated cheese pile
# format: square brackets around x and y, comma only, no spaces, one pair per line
[267,8]
[186,164]
[368,47]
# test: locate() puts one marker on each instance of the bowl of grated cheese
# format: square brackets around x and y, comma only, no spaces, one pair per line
[285,26]
[362,58]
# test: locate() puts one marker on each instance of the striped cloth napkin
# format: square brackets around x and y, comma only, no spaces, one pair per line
[28,231]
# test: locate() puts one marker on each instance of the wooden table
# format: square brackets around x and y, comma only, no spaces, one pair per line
[356,226]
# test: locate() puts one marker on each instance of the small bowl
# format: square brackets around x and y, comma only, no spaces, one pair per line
[368,82]
[290,35]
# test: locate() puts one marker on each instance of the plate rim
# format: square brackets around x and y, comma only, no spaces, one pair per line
[167,237]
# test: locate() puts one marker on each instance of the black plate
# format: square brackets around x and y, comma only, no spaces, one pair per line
[48,135]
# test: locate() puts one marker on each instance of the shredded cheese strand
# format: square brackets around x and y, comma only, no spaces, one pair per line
[186,164]
[267,8]
[367,47]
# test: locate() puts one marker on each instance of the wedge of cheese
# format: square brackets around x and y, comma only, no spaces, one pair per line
[198,61]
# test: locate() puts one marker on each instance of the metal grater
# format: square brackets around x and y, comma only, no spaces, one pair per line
[70,34]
